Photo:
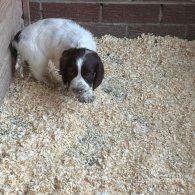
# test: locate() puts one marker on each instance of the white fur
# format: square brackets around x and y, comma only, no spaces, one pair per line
[45,40]
[78,82]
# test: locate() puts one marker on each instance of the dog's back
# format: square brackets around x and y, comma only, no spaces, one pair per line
[52,37]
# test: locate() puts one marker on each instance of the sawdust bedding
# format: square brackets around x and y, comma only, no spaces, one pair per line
[137,137]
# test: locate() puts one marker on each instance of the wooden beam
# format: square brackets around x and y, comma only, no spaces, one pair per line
[26,12]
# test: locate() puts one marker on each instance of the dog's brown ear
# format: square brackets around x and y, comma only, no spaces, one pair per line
[99,73]
[63,66]
[67,55]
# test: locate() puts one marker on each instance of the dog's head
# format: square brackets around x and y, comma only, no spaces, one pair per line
[81,69]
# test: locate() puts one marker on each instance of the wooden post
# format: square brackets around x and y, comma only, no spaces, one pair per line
[26,12]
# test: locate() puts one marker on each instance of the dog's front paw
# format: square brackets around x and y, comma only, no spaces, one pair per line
[87,97]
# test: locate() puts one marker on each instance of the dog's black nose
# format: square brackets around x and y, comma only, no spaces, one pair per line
[77,90]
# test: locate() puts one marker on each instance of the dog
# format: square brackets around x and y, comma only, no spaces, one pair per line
[70,47]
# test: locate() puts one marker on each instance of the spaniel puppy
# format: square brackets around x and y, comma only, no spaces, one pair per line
[71,49]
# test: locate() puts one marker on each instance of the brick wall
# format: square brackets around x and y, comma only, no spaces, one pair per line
[10,23]
[127,18]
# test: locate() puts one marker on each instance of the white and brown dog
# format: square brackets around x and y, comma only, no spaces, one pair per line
[70,47]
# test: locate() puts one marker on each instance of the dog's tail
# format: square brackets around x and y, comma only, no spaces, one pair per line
[12,45]
[15,54]
[13,50]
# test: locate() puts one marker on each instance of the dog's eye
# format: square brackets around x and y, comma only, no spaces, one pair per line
[71,72]
[88,73]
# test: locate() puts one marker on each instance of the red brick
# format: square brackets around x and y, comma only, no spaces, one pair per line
[102,29]
[83,12]
[34,11]
[122,1]
[191,32]
[159,30]
[178,14]
[167,1]
[129,13]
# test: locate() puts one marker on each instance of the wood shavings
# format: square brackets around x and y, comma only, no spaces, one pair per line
[137,137]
